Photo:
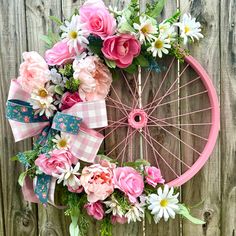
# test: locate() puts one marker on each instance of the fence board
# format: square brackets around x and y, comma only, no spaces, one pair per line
[228,121]
[205,186]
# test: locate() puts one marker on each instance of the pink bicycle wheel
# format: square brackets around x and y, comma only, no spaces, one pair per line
[169,118]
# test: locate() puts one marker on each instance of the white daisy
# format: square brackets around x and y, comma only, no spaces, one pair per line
[189,28]
[135,213]
[114,207]
[69,176]
[74,34]
[159,46]
[167,30]
[62,142]
[163,204]
[43,108]
[146,29]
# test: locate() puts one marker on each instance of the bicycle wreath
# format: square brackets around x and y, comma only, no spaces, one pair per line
[59,99]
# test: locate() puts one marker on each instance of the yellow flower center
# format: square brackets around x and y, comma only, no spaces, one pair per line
[158,44]
[145,29]
[62,143]
[73,34]
[43,93]
[186,29]
[164,203]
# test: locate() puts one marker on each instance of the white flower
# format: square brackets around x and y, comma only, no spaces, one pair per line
[62,142]
[69,176]
[159,46]
[146,29]
[135,213]
[114,207]
[167,30]
[74,34]
[56,78]
[189,28]
[43,108]
[163,204]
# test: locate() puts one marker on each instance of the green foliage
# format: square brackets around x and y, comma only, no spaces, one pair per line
[22,178]
[106,227]
[56,20]
[95,44]
[141,60]
[59,90]
[174,18]
[137,164]
[50,39]
[110,64]
[155,9]
[72,84]
[131,69]
[67,70]
[185,213]
[178,52]
[122,200]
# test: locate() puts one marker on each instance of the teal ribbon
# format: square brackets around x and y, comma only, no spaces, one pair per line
[23,112]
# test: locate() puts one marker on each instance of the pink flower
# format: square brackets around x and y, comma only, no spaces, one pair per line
[95,78]
[78,190]
[95,210]
[122,49]
[117,219]
[58,158]
[97,182]
[59,54]
[153,176]
[129,181]
[97,20]
[69,100]
[34,72]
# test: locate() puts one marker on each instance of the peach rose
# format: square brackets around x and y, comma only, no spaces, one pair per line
[95,78]
[97,182]
[122,49]
[34,71]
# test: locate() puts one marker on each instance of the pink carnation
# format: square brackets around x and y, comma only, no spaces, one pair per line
[95,78]
[34,72]
[118,219]
[96,19]
[97,182]
[60,54]
[58,158]
[69,100]
[153,176]
[122,49]
[129,181]
[95,210]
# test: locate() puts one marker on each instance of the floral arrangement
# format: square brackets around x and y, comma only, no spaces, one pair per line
[59,99]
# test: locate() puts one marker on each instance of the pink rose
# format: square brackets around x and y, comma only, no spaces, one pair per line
[60,54]
[78,190]
[69,100]
[122,49]
[97,182]
[95,210]
[153,176]
[34,72]
[97,20]
[129,181]
[117,219]
[58,158]
[95,78]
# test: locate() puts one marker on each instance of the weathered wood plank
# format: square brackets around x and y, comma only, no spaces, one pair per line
[205,186]
[51,221]
[228,120]
[17,217]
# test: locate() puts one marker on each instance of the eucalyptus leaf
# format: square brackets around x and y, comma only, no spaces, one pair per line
[185,213]
[21,178]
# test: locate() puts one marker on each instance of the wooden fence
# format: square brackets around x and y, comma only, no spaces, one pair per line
[21,24]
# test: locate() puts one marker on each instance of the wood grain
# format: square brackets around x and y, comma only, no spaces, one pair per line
[228,119]
[205,186]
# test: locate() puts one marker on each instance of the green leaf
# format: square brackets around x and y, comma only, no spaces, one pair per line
[58,89]
[173,18]
[131,69]
[148,216]
[142,61]
[110,63]
[157,8]
[95,44]
[56,20]
[15,158]
[74,228]
[21,178]
[46,39]
[185,213]
[125,27]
